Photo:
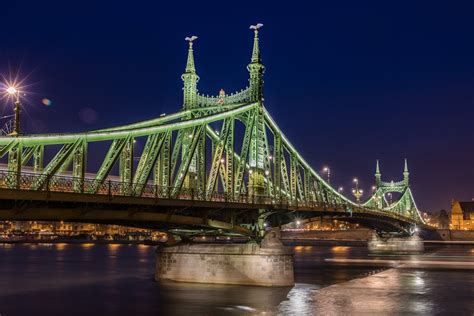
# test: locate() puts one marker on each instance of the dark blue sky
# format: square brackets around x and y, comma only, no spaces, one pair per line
[347,81]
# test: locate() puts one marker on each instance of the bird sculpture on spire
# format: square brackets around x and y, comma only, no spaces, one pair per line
[256,27]
[191,39]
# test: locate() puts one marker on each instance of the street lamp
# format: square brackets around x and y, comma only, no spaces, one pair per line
[356,191]
[340,189]
[328,173]
[389,198]
[15,93]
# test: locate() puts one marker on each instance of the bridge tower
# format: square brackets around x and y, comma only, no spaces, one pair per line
[190,93]
[190,78]
[406,174]
[378,175]
[256,68]
[257,156]
[405,205]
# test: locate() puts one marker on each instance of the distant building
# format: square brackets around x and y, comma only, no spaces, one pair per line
[462,215]
[443,220]
[67,228]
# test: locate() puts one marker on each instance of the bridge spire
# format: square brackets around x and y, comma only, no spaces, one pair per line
[406,174]
[255,68]
[378,175]
[190,77]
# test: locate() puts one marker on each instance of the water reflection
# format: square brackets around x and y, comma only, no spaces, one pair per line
[118,280]
[113,248]
[61,246]
[340,249]
[381,294]
[87,246]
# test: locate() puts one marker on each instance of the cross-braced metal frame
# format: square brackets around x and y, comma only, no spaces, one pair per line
[217,148]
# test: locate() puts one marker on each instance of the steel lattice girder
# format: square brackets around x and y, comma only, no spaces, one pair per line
[302,183]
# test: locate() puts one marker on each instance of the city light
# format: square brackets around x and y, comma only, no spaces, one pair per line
[12,90]
[327,170]
[356,191]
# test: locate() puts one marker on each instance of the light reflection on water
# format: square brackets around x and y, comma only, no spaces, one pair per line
[118,280]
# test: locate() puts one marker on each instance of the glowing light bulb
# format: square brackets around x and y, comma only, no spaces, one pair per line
[12,90]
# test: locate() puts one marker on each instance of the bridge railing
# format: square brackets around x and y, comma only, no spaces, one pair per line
[63,183]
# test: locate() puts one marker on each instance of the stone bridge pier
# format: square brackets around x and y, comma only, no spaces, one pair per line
[269,263]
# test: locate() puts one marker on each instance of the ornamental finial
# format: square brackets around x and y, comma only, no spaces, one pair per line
[256,27]
[190,63]
[191,39]
[256,49]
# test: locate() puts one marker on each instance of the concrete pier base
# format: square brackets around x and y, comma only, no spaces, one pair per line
[268,264]
[413,244]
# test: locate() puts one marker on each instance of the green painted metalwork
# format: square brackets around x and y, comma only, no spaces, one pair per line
[55,164]
[229,160]
[162,167]
[201,166]
[147,162]
[27,154]
[405,205]
[218,159]
[190,78]
[14,163]
[285,178]
[277,165]
[299,185]
[293,180]
[79,166]
[109,160]
[184,167]
[38,158]
[239,176]
[177,148]
[126,165]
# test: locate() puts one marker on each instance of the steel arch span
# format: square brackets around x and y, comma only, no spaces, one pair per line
[221,162]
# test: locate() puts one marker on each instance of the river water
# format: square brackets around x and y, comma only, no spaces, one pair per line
[88,279]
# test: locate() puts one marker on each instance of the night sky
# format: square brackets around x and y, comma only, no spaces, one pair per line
[348,82]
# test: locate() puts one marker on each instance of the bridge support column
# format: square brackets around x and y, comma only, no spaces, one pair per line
[412,244]
[267,264]
[256,190]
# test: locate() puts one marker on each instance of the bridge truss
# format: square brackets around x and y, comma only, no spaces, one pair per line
[219,152]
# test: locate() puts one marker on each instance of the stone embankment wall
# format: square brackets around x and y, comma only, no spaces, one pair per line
[456,235]
[353,234]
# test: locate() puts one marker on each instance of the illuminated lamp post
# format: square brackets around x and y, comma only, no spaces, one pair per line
[356,191]
[327,170]
[15,93]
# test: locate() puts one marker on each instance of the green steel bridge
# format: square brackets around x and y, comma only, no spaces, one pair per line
[220,163]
